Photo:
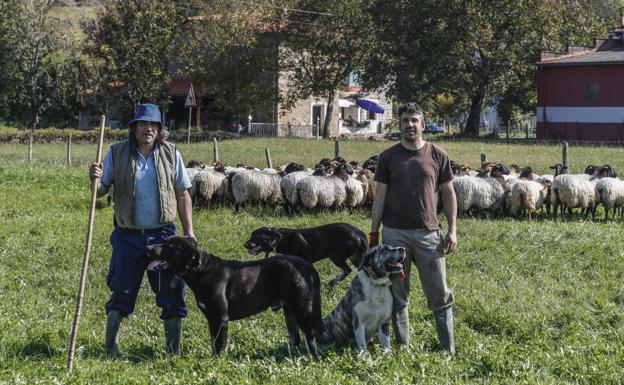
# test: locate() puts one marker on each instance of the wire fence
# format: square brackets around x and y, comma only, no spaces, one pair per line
[510,131]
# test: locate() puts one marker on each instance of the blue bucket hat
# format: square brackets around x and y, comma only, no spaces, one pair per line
[148,113]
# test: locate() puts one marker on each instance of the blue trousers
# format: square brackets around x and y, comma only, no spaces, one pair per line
[128,263]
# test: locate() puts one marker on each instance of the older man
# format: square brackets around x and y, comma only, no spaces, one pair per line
[409,175]
[150,187]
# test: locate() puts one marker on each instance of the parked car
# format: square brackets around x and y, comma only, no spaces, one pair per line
[394,135]
[433,128]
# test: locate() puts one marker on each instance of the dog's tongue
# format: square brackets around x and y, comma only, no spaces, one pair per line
[402,275]
[153,264]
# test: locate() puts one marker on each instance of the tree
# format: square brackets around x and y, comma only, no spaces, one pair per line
[227,50]
[324,43]
[34,51]
[132,50]
[475,48]
[40,54]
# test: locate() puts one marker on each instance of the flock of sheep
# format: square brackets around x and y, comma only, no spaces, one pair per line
[337,184]
[333,184]
[514,190]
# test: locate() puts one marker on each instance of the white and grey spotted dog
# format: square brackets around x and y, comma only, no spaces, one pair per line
[367,307]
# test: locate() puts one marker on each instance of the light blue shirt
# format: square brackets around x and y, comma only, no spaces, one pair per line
[146,195]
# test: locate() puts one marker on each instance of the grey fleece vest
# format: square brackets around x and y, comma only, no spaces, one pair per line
[124,166]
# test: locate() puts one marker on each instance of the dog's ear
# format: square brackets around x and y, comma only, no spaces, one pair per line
[369,254]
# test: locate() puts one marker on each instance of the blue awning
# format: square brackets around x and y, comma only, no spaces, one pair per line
[369,105]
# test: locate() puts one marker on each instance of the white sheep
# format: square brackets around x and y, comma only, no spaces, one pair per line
[476,193]
[207,185]
[356,192]
[573,190]
[370,185]
[322,191]
[254,186]
[528,195]
[609,192]
[288,188]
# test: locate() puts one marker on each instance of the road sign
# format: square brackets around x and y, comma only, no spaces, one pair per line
[190,97]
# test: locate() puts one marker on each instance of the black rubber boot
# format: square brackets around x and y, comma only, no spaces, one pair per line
[173,330]
[113,320]
[444,327]
[401,328]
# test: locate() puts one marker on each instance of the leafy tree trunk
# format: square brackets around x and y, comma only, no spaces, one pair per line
[474,119]
[328,114]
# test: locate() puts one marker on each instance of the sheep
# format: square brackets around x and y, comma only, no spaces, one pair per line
[192,167]
[479,193]
[573,190]
[371,163]
[356,192]
[610,192]
[317,191]
[370,185]
[510,181]
[528,195]
[288,188]
[254,186]
[206,185]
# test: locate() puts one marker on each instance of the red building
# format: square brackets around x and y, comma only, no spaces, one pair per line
[580,93]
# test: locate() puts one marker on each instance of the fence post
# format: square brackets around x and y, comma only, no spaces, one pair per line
[336,148]
[565,160]
[215,150]
[483,158]
[268,157]
[526,128]
[30,145]
[289,130]
[69,145]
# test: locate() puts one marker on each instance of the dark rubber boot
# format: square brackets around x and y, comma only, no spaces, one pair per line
[401,328]
[173,330]
[444,327]
[113,320]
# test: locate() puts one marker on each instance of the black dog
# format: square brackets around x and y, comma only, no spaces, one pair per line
[230,290]
[336,241]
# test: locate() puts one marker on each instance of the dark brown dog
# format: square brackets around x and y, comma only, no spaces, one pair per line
[336,241]
[231,290]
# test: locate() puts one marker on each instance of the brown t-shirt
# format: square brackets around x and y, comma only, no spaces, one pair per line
[413,177]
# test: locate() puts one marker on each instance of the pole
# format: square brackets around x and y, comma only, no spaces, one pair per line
[188,140]
[483,158]
[69,145]
[85,260]
[30,145]
[215,149]
[336,148]
[565,159]
[268,157]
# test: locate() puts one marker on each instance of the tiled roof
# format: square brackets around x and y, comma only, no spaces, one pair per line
[610,56]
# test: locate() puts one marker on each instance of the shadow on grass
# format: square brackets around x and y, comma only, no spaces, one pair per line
[284,352]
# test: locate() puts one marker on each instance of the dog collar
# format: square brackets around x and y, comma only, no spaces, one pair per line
[385,281]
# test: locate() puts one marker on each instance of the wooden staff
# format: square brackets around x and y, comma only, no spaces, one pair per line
[85,261]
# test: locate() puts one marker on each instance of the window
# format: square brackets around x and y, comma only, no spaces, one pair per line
[591,91]
[371,115]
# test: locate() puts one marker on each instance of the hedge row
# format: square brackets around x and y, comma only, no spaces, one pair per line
[52,135]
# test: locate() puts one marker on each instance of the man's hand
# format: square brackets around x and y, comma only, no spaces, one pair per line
[450,242]
[373,239]
[95,170]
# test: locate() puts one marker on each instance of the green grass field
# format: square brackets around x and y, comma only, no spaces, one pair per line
[537,303]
